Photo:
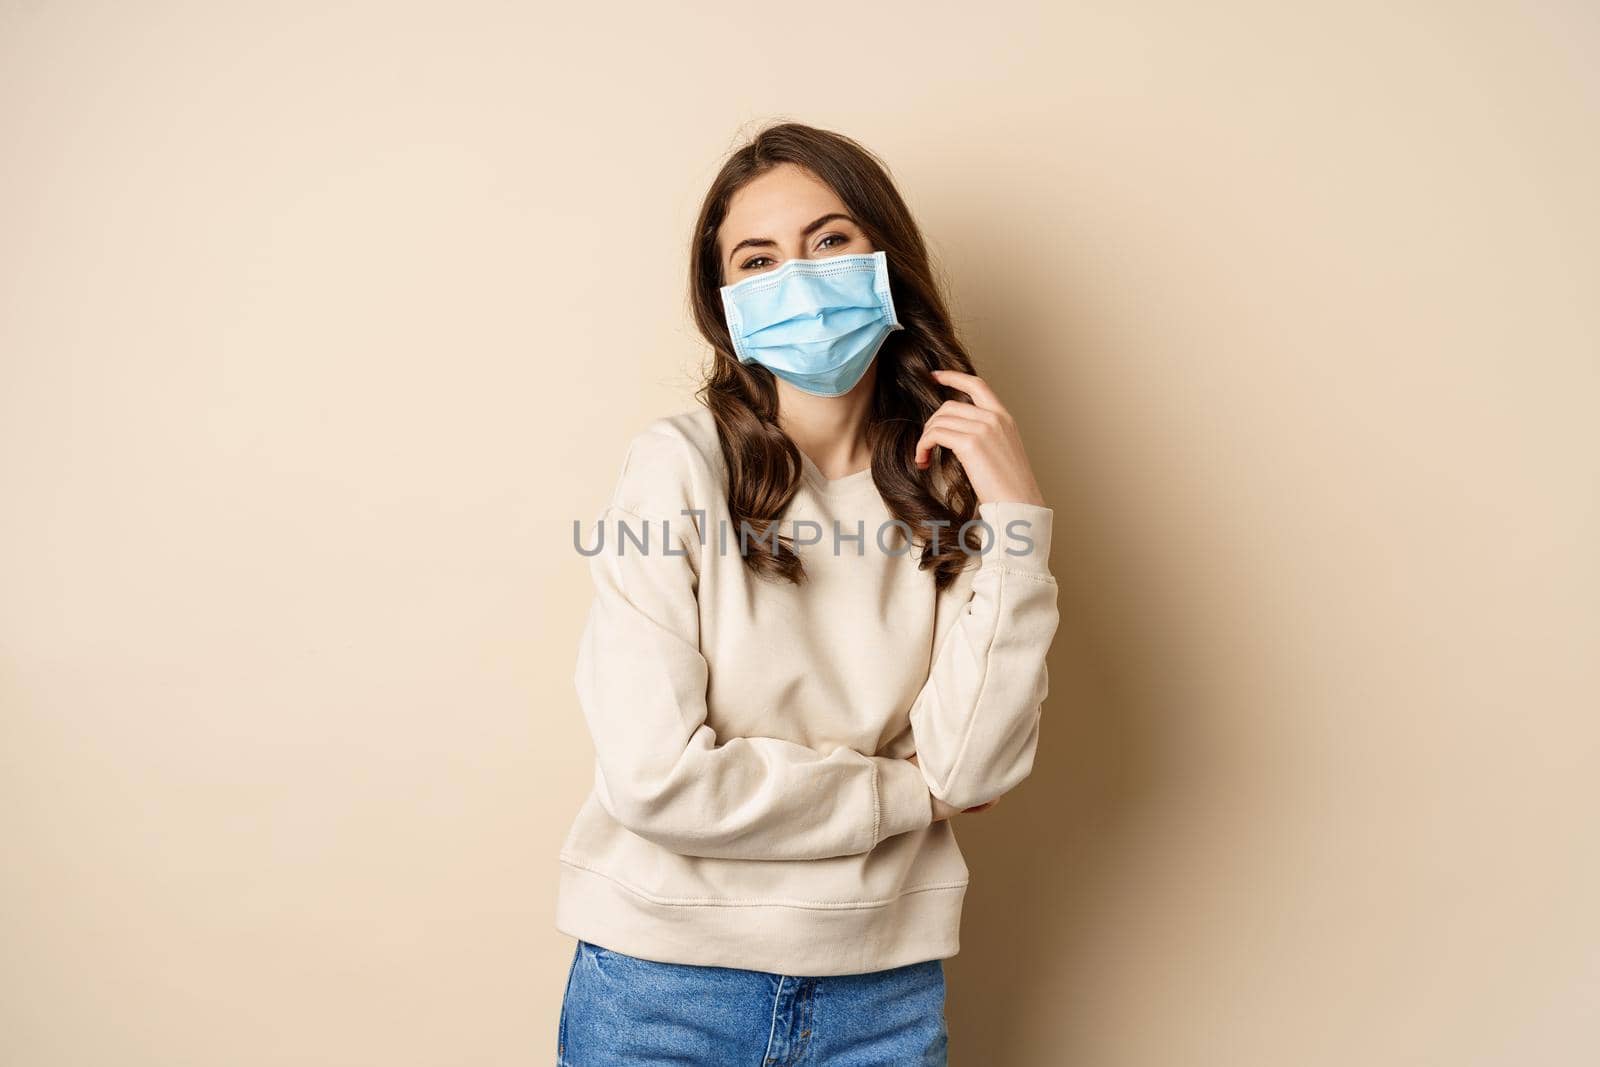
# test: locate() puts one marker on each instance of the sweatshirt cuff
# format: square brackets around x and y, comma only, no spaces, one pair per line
[904,800]
[1021,536]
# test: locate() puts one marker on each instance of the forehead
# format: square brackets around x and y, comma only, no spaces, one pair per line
[776,205]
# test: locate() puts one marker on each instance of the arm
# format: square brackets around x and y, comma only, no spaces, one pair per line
[661,770]
[976,719]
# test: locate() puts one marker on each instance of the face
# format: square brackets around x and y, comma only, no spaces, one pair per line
[786,213]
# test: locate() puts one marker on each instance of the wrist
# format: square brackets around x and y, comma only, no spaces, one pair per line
[904,800]
[1021,535]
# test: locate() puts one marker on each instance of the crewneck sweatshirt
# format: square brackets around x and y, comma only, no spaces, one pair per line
[752,803]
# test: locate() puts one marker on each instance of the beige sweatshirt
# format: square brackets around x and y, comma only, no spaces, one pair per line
[752,805]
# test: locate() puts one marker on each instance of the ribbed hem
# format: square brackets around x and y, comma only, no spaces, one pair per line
[795,938]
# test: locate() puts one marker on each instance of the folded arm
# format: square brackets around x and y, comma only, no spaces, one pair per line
[976,719]
[663,773]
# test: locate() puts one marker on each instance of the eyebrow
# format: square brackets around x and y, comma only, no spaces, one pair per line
[810,228]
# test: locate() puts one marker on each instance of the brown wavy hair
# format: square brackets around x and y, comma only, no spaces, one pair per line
[764,467]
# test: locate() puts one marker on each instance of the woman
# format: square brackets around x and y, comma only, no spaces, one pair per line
[806,652]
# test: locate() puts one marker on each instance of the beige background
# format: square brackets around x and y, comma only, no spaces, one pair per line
[320,323]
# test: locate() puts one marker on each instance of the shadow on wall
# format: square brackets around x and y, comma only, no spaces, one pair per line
[1042,861]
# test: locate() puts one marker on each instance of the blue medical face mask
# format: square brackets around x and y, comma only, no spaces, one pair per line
[815,323]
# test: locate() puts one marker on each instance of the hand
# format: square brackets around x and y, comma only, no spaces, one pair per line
[984,439]
[942,811]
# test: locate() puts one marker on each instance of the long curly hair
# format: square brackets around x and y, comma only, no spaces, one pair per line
[764,466]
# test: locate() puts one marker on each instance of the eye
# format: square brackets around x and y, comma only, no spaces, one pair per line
[750,264]
[841,238]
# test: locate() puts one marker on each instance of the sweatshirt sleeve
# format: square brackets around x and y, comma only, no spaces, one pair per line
[976,719]
[662,771]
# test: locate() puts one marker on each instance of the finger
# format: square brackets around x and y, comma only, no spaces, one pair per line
[973,386]
[964,423]
[962,409]
[957,407]
[939,435]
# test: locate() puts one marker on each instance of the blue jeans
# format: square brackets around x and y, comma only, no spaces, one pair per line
[622,1011]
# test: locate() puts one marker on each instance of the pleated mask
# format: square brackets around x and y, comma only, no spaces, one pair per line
[815,323]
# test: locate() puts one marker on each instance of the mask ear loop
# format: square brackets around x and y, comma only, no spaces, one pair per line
[885,293]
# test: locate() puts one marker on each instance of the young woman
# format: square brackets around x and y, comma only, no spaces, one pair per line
[822,607]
